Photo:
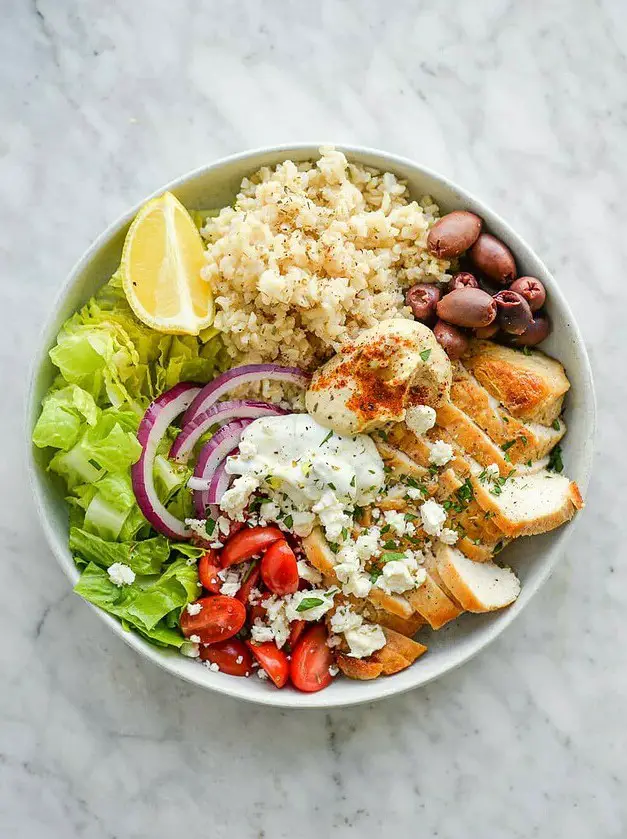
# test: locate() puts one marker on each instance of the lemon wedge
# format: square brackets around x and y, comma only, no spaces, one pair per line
[161,261]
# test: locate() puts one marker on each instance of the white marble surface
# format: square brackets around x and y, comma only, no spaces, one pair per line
[524,103]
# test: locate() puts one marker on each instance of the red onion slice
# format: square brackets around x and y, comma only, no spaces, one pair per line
[212,456]
[246,374]
[158,417]
[218,415]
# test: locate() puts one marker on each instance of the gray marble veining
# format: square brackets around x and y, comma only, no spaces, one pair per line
[522,102]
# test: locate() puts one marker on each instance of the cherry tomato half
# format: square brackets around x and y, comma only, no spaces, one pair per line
[219,618]
[309,667]
[231,656]
[249,584]
[279,570]
[247,543]
[273,660]
[296,630]
[208,567]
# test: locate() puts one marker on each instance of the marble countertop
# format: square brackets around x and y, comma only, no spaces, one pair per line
[523,103]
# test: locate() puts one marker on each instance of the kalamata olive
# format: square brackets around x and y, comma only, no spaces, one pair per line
[467,307]
[452,340]
[422,299]
[486,332]
[538,330]
[532,290]
[463,279]
[495,259]
[453,234]
[513,312]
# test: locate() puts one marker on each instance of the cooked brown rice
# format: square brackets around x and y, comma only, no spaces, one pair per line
[312,253]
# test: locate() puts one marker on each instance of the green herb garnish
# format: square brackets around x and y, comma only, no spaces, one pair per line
[555,460]
[309,603]
[425,354]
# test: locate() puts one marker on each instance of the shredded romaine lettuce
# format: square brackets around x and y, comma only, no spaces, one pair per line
[111,366]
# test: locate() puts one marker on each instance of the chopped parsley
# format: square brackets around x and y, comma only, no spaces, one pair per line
[526,351]
[210,526]
[425,354]
[556,463]
[353,480]
[391,556]
[556,424]
[375,574]
[288,521]
[327,438]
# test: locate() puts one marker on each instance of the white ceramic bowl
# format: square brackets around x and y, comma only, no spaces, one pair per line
[216,186]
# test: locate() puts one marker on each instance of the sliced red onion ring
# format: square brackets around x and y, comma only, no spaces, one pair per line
[211,456]
[246,374]
[158,417]
[218,415]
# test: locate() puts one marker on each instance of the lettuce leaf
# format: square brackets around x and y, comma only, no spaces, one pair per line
[144,557]
[63,414]
[111,366]
[146,604]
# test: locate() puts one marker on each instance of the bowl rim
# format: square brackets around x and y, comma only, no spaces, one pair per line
[228,687]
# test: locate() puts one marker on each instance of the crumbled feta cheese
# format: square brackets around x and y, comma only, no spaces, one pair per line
[232,580]
[419,419]
[313,613]
[235,499]
[277,620]
[224,525]
[194,608]
[333,641]
[367,543]
[302,522]
[331,514]
[433,516]
[440,453]
[395,578]
[448,536]
[308,572]
[247,449]
[492,471]
[344,619]
[260,633]
[239,659]
[261,673]
[199,527]
[349,572]
[215,668]
[190,649]
[396,521]
[120,574]
[333,670]
[195,639]
[254,597]
[365,640]
[270,511]
[375,513]
[414,493]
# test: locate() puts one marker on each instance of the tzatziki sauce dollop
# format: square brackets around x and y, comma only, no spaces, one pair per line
[303,470]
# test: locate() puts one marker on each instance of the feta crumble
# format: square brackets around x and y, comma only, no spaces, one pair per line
[448,536]
[120,574]
[365,640]
[308,572]
[433,516]
[419,419]
[440,453]
[194,608]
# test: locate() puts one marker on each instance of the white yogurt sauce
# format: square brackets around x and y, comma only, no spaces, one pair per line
[304,468]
